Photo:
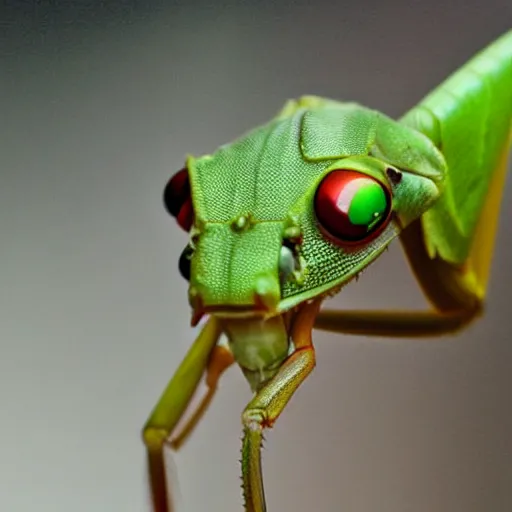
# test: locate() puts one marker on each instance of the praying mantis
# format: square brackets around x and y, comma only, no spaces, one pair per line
[288,214]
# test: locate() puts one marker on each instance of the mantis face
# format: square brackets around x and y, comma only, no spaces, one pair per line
[296,208]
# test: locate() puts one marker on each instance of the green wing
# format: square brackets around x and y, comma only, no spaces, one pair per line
[468,117]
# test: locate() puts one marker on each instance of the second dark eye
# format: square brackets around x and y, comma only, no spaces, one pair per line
[184,262]
[351,206]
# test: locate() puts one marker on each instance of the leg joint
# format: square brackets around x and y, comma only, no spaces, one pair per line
[254,419]
[154,437]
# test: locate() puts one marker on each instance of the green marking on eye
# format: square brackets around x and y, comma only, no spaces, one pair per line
[367,205]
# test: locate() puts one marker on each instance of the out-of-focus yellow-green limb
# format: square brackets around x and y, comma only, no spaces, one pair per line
[395,324]
[171,407]
[220,360]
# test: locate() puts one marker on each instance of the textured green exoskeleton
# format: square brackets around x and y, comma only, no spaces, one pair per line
[291,212]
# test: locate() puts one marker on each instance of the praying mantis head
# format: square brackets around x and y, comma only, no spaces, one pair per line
[299,206]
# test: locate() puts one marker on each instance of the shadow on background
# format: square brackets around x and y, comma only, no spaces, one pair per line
[99,105]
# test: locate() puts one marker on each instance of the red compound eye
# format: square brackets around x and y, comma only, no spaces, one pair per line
[351,206]
[177,199]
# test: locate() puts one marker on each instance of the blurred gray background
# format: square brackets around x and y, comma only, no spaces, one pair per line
[99,103]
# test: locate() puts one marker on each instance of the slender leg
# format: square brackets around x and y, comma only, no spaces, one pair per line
[220,360]
[396,324]
[170,408]
[268,403]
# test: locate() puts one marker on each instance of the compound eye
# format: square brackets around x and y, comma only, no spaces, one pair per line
[177,199]
[352,207]
[184,262]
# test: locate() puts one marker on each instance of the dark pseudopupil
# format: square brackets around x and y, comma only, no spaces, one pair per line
[351,206]
[184,262]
